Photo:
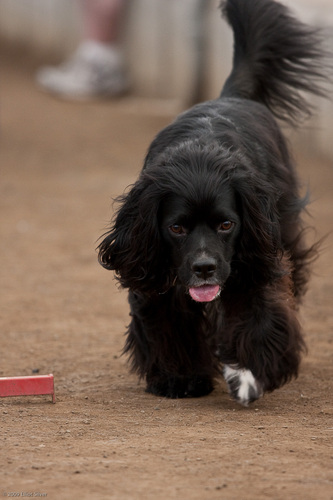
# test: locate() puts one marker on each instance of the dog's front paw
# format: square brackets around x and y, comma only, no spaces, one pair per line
[178,387]
[242,385]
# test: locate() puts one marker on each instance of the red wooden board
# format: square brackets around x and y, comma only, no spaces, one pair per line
[27,386]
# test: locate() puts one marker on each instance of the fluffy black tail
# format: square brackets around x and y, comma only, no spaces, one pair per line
[276,57]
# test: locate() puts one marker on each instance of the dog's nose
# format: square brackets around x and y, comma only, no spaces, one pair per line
[204,267]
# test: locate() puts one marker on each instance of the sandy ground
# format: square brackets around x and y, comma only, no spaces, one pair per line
[105,438]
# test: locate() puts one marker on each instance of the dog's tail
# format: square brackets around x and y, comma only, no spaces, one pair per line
[276,57]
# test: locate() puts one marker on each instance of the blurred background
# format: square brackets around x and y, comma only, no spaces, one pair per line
[176,51]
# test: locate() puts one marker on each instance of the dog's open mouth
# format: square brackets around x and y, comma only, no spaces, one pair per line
[204,293]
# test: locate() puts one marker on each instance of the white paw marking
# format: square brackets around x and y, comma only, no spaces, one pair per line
[242,385]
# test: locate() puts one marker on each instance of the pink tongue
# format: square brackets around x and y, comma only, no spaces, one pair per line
[204,293]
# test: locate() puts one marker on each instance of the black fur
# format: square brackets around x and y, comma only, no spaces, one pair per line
[217,203]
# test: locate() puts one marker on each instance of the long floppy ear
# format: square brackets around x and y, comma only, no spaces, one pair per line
[133,247]
[259,252]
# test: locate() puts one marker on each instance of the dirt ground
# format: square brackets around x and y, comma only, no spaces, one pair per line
[61,313]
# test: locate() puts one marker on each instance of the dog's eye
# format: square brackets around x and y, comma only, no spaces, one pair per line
[225,226]
[177,229]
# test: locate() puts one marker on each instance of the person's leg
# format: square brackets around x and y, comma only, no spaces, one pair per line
[102,20]
[96,68]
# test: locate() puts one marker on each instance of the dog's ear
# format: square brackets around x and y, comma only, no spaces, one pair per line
[259,249]
[133,247]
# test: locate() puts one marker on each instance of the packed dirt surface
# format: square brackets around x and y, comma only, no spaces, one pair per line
[61,313]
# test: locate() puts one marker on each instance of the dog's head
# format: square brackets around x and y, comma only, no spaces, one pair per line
[196,218]
[200,227]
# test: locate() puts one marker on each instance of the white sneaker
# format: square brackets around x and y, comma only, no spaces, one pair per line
[94,70]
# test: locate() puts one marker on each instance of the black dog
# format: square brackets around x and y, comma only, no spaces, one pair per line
[209,239]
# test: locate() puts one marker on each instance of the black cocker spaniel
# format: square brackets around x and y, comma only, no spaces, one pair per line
[209,240]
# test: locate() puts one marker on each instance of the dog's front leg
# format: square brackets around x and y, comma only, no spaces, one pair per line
[167,348]
[262,343]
